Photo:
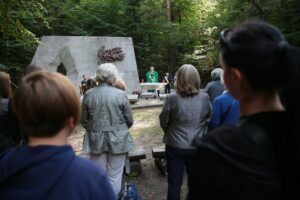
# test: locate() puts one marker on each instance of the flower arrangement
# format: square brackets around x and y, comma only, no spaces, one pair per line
[138,92]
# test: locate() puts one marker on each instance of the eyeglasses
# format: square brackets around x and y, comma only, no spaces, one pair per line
[223,38]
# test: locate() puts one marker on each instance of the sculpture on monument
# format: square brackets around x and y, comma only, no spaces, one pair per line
[110,55]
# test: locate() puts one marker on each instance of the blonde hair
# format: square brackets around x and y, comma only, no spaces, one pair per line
[188,80]
[120,84]
[41,114]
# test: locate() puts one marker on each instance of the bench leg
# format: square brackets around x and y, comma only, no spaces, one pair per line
[161,165]
[135,168]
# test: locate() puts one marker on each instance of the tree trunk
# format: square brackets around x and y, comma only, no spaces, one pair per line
[261,11]
[169,48]
[169,13]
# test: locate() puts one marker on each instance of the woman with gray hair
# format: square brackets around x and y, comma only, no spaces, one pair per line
[107,116]
[183,119]
[215,87]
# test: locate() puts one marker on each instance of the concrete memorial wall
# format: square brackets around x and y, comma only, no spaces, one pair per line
[81,55]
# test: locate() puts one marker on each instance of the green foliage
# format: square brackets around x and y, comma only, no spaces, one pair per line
[15,14]
[191,36]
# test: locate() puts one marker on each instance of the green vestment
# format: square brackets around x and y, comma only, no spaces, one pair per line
[151,78]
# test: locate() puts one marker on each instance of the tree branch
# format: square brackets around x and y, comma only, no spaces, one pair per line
[259,8]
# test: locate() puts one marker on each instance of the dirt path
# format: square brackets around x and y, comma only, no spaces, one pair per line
[146,132]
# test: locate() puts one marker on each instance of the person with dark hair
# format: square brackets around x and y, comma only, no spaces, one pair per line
[258,158]
[90,83]
[183,119]
[83,85]
[47,167]
[168,80]
[215,87]
[9,130]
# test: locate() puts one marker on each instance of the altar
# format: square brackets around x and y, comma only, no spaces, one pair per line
[152,86]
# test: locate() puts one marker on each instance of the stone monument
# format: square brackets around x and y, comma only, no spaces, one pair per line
[81,55]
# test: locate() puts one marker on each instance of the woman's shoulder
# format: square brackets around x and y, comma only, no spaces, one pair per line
[172,96]
[203,94]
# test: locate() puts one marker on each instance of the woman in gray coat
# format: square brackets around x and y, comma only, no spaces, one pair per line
[184,118]
[107,116]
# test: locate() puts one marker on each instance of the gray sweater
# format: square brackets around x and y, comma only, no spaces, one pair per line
[183,119]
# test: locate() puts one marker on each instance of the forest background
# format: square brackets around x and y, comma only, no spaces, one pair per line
[165,33]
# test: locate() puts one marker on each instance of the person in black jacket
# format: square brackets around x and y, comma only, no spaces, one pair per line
[259,157]
[9,131]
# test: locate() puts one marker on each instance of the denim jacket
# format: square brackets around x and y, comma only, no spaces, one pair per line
[106,116]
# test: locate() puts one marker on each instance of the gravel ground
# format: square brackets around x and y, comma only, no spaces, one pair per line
[147,133]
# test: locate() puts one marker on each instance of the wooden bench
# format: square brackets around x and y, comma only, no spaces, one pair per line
[158,152]
[133,163]
[137,154]
[159,155]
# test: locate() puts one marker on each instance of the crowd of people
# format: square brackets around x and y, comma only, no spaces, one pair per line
[237,138]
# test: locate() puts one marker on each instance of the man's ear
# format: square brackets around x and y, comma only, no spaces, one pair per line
[241,83]
[236,75]
[241,79]
[233,79]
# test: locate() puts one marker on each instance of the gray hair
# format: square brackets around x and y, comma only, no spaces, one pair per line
[107,73]
[217,74]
